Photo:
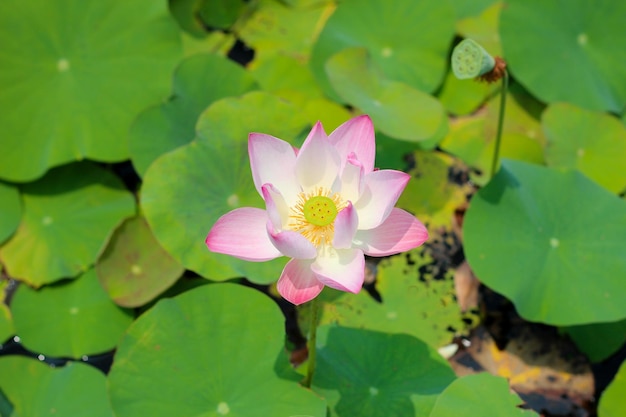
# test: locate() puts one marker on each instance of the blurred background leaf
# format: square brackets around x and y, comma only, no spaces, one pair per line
[229,353]
[68,218]
[78,70]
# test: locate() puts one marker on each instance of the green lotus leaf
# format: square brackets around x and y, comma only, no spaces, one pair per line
[6,321]
[396,109]
[424,309]
[392,153]
[472,138]
[407,39]
[613,400]
[6,408]
[69,319]
[569,52]
[188,189]
[330,113]
[292,80]
[429,194]
[278,73]
[592,142]
[470,8]
[486,395]
[598,340]
[36,389]
[278,28]
[134,269]
[483,27]
[186,14]
[73,76]
[552,242]
[369,374]
[216,42]
[10,210]
[198,81]
[220,14]
[68,217]
[462,97]
[228,352]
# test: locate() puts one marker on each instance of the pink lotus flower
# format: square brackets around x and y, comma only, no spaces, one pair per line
[326,207]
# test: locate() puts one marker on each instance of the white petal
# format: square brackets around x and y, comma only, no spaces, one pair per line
[345,227]
[400,232]
[276,207]
[352,180]
[382,189]
[356,136]
[317,163]
[341,269]
[291,244]
[242,233]
[298,284]
[273,161]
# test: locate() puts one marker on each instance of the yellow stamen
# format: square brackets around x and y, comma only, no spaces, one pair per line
[314,215]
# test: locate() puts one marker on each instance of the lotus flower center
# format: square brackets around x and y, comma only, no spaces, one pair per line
[313,216]
[320,210]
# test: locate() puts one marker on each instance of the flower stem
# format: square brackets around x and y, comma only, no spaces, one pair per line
[314,306]
[496,151]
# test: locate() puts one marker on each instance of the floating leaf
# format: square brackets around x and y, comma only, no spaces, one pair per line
[472,138]
[278,73]
[36,389]
[468,8]
[220,14]
[6,408]
[198,81]
[73,77]
[598,340]
[330,113]
[6,322]
[369,374]
[412,303]
[592,142]
[279,28]
[429,194]
[548,240]
[10,210]
[292,80]
[409,44]
[186,14]
[134,268]
[228,352]
[569,53]
[396,109]
[68,217]
[69,319]
[483,27]
[187,190]
[486,395]
[216,42]
[392,153]
[613,400]
[461,97]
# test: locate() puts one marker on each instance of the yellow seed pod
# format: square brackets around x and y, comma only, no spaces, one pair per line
[470,60]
